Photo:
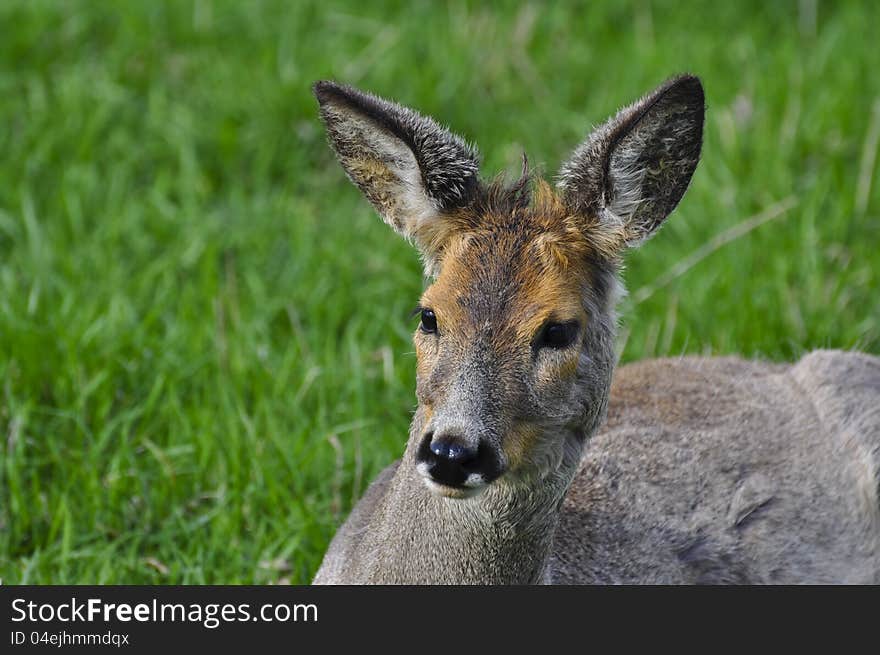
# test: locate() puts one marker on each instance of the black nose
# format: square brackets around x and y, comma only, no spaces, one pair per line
[453,451]
[449,459]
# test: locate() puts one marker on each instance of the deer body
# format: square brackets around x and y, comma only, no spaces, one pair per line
[701,480]
[518,467]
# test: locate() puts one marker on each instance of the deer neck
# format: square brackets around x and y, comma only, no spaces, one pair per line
[502,536]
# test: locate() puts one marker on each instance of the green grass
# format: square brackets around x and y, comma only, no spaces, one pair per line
[204,343]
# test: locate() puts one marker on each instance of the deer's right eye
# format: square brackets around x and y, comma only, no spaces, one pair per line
[429,322]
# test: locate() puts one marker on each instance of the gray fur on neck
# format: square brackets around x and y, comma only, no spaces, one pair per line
[502,536]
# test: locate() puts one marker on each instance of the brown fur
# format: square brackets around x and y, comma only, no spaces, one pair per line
[706,470]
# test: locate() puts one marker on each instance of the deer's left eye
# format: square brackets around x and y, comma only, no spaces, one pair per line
[557,335]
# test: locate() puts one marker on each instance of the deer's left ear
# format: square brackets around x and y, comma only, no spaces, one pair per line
[630,173]
[410,168]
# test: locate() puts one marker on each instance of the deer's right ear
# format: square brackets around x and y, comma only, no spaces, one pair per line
[410,168]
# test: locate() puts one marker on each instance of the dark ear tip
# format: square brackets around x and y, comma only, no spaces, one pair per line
[327,90]
[688,85]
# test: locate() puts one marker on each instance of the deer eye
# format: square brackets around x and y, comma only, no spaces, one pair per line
[557,335]
[429,322]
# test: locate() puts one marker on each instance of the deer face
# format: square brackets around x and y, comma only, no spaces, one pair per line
[504,367]
[515,337]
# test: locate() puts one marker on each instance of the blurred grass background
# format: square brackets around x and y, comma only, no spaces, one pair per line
[204,345]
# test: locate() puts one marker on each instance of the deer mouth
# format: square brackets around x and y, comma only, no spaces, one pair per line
[457,475]
[458,492]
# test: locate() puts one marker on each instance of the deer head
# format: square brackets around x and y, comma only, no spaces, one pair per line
[515,344]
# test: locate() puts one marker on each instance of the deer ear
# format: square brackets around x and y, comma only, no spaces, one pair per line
[630,173]
[410,168]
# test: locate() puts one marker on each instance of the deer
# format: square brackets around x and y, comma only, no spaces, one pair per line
[532,458]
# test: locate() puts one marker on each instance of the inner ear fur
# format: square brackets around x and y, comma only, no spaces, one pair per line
[411,169]
[632,171]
